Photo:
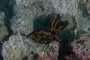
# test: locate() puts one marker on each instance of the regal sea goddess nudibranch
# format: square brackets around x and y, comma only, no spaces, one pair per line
[47,37]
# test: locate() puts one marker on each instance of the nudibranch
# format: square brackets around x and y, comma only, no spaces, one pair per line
[45,37]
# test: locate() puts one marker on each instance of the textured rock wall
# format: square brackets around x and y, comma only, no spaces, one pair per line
[33,14]
[25,12]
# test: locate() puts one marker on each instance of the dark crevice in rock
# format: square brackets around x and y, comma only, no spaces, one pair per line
[1,58]
[32,52]
[7,9]
[35,56]
[66,37]
[82,7]
[74,27]
[25,58]
[43,22]
[8,15]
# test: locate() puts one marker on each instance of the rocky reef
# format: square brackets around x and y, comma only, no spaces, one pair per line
[26,12]
[35,15]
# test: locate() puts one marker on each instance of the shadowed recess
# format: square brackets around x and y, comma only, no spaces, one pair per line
[66,37]
[82,7]
[43,22]
[35,56]
[7,9]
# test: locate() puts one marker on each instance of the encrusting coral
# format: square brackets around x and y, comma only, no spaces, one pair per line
[81,48]
[72,57]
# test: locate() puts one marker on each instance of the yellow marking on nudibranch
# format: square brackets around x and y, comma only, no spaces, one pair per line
[37,40]
[40,32]
[42,41]
[53,27]
[56,24]
[39,36]
[48,33]
[44,36]
[33,37]
[59,28]
[53,21]
[50,37]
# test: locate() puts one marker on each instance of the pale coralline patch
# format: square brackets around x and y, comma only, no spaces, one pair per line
[65,7]
[18,1]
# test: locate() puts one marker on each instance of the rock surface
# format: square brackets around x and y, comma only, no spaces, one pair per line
[87,4]
[25,12]
[20,48]
[3,28]
[81,47]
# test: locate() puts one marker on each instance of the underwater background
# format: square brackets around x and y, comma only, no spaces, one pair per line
[19,18]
